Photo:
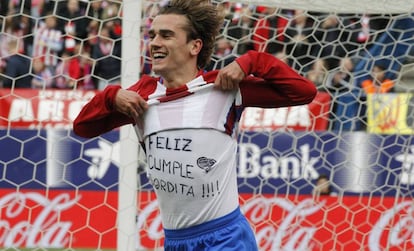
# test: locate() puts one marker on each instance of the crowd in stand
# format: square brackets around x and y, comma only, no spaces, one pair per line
[62,44]
[76,44]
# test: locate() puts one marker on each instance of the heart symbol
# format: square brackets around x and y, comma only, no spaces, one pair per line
[205,163]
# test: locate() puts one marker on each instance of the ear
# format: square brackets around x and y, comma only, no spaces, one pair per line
[196,46]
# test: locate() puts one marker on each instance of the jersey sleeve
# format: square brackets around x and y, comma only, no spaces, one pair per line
[271,83]
[98,116]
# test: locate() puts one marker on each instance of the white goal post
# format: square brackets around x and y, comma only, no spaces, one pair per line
[130,148]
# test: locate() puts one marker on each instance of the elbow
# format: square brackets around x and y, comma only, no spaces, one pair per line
[307,94]
[82,130]
[311,94]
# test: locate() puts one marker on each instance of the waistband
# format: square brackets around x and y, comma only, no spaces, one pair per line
[203,228]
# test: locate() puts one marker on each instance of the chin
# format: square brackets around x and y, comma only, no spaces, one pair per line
[156,70]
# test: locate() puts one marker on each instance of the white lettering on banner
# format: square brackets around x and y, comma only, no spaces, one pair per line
[46,230]
[50,110]
[21,110]
[74,109]
[52,107]
[102,157]
[399,226]
[252,164]
[258,210]
[155,229]
[407,169]
[284,116]
[67,95]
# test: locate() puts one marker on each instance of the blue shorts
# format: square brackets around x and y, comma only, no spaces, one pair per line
[231,232]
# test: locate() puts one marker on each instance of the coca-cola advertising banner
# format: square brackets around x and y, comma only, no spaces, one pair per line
[28,108]
[87,219]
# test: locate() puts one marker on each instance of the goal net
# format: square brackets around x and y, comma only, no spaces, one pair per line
[336,174]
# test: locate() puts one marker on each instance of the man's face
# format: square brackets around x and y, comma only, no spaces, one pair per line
[378,74]
[169,47]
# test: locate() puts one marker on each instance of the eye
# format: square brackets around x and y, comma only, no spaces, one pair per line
[151,34]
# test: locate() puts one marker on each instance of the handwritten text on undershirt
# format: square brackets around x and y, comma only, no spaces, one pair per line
[175,144]
[171,166]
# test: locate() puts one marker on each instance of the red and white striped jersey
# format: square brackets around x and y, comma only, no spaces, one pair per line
[47,44]
[191,157]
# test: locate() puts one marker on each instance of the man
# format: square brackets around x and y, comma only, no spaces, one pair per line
[378,82]
[17,68]
[189,128]
[269,30]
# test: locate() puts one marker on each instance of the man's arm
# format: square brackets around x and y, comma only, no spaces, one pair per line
[111,108]
[272,83]
[99,116]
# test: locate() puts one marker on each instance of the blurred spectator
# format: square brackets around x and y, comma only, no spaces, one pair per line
[67,71]
[74,71]
[299,39]
[112,17]
[93,31]
[11,7]
[48,42]
[17,27]
[48,6]
[364,31]
[241,27]
[42,76]
[36,8]
[107,55]
[17,68]
[268,34]
[341,79]
[378,24]
[340,84]
[70,41]
[94,23]
[337,37]
[222,55]
[85,64]
[71,18]
[378,83]
[7,36]
[318,72]
[323,186]
[96,10]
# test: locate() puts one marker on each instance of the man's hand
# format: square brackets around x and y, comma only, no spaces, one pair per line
[130,103]
[230,76]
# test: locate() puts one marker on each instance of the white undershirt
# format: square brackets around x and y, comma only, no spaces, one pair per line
[191,159]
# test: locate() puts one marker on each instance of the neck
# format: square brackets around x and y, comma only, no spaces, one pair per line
[177,80]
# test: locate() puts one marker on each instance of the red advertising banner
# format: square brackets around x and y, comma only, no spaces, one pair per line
[29,108]
[87,219]
[314,116]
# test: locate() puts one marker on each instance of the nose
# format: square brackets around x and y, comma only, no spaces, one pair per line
[155,41]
